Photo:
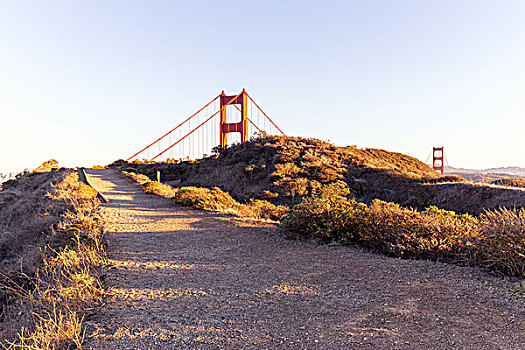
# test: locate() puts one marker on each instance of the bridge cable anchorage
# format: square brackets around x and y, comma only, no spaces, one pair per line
[169,132]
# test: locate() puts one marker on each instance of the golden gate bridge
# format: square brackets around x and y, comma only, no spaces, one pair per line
[222,121]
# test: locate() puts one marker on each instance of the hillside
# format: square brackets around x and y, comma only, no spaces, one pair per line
[190,279]
[50,243]
[271,167]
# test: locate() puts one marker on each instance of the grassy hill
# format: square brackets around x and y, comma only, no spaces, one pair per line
[271,167]
[51,241]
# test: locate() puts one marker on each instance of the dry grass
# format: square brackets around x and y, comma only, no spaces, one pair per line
[502,241]
[54,330]
[385,185]
[510,182]
[278,165]
[48,304]
[210,199]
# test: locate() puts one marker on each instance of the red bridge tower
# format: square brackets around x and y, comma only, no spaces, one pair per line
[438,160]
[242,125]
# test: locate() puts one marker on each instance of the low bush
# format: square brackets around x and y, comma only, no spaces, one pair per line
[447,178]
[213,199]
[158,188]
[205,199]
[48,166]
[502,241]
[510,182]
[327,215]
[140,178]
[261,209]
[429,234]
[495,240]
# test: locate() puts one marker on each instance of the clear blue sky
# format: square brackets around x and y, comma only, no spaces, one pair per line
[88,82]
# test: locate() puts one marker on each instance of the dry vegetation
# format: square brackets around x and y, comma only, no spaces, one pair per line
[270,167]
[510,182]
[495,240]
[51,246]
[211,199]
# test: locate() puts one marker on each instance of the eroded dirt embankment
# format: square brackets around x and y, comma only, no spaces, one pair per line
[188,279]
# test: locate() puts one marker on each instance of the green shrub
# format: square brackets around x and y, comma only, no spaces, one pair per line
[430,234]
[328,215]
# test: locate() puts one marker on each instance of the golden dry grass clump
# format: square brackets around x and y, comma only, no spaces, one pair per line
[502,240]
[210,199]
[44,303]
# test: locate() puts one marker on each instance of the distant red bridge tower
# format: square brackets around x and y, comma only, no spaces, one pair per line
[438,160]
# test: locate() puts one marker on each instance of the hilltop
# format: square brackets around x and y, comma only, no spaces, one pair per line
[5,177]
[271,167]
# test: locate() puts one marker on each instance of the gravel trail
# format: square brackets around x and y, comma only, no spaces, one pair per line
[184,279]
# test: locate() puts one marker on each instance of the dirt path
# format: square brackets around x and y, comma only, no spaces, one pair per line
[185,279]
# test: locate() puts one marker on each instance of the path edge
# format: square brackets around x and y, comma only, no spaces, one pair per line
[83,177]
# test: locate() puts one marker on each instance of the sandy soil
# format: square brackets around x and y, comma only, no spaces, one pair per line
[184,279]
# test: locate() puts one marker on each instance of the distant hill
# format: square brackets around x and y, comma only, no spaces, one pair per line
[487,175]
[513,171]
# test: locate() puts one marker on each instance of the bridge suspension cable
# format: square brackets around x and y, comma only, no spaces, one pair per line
[227,119]
[172,130]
